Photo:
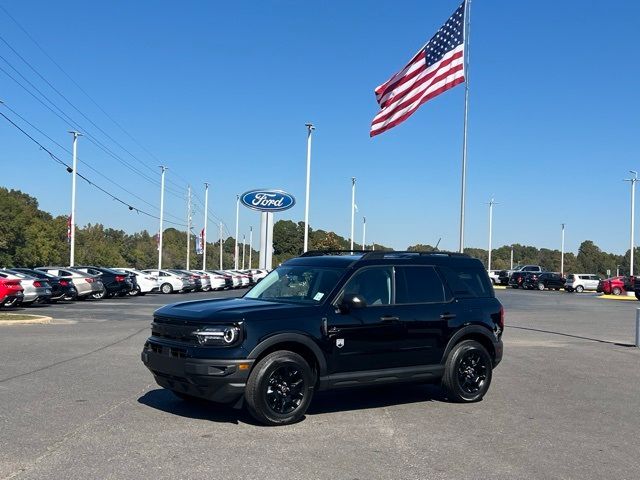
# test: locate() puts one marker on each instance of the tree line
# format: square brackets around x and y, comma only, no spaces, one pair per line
[32,237]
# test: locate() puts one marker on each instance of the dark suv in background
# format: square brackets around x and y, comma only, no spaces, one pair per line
[115,283]
[330,320]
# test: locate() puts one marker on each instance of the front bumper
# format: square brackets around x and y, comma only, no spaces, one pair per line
[216,380]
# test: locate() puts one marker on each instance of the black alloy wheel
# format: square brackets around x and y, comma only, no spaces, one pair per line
[468,372]
[134,292]
[100,295]
[540,286]
[280,388]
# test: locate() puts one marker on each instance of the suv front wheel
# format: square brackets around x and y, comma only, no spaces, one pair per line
[467,373]
[280,388]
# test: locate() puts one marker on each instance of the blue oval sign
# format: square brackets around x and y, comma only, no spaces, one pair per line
[268,200]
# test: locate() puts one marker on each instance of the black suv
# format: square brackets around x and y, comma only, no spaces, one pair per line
[115,283]
[329,320]
[540,281]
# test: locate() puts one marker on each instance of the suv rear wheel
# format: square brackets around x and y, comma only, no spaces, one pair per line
[467,373]
[280,388]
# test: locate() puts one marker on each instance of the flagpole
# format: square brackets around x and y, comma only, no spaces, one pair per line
[467,32]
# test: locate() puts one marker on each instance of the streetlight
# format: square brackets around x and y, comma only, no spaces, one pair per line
[353,207]
[491,204]
[310,129]
[72,226]
[562,254]
[633,181]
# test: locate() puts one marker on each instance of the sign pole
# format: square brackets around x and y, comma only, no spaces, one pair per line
[235,250]
[310,129]
[353,207]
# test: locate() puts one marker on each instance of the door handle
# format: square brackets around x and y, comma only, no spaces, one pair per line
[389,319]
[447,316]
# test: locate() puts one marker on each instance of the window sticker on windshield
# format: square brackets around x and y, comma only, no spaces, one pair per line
[318,296]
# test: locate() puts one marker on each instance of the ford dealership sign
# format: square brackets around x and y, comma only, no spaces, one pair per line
[268,200]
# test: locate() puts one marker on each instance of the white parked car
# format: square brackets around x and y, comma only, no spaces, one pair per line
[493,275]
[170,282]
[147,282]
[579,282]
[205,279]
[258,274]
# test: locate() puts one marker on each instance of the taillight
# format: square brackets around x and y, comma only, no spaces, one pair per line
[89,280]
[64,283]
[501,319]
[119,278]
[37,284]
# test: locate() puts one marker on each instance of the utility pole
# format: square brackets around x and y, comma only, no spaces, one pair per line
[310,129]
[491,204]
[364,232]
[220,245]
[160,233]
[250,245]
[72,249]
[204,240]
[235,251]
[188,224]
[511,268]
[633,180]
[353,207]
[562,253]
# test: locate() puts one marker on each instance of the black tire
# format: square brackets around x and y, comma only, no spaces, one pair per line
[616,291]
[280,388]
[467,372]
[166,288]
[135,292]
[579,289]
[541,286]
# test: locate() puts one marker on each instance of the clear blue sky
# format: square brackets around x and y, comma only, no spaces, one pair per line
[220,92]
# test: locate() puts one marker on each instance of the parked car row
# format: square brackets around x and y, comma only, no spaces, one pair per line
[32,286]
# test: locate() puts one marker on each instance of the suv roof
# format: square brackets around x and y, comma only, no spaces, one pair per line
[353,257]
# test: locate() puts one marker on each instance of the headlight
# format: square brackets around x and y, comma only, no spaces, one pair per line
[223,335]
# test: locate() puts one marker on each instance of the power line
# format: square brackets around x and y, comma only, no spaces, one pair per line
[83,177]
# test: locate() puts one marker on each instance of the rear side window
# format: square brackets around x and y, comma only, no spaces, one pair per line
[467,282]
[570,277]
[418,285]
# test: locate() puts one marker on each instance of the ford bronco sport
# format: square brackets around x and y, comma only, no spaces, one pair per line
[330,320]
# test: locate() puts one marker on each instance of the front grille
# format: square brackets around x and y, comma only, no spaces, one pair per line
[175,330]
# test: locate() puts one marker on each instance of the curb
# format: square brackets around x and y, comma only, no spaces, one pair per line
[36,320]
[620,298]
[499,287]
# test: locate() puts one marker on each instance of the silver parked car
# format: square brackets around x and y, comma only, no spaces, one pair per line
[36,290]
[85,284]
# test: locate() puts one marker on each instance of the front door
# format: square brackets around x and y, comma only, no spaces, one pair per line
[366,338]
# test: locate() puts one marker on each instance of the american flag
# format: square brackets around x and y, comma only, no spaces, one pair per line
[437,67]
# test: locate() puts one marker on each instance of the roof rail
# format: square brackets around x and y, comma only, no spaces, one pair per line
[392,253]
[319,253]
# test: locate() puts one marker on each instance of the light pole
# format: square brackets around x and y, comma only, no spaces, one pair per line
[511,268]
[244,243]
[220,245]
[491,204]
[562,254]
[72,249]
[189,224]
[353,207]
[160,233]
[204,240]
[633,181]
[310,129]
[250,245]
[364,232]
[235,250]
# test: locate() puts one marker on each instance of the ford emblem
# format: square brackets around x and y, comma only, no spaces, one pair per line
[268,200]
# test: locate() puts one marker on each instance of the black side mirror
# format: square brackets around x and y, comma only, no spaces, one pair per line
[351,301]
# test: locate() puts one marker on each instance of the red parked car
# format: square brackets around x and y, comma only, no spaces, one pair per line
[10,289]
[616,285]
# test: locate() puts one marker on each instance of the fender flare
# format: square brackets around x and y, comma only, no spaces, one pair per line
[466,330]
[300,338]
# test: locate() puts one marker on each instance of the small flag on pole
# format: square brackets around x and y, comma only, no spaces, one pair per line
[436,68]
[200,243]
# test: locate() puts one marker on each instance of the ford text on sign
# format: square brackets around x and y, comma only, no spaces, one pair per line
[268,200]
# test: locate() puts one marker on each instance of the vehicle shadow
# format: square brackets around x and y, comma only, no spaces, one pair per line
[323,402]
[162,399]
[599,340]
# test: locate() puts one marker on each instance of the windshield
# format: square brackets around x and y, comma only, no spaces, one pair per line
[298,284]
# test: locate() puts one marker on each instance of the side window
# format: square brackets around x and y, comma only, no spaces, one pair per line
[373,284]
[467,282]
[419,285]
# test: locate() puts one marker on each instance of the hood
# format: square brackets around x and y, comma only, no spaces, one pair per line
[230,309]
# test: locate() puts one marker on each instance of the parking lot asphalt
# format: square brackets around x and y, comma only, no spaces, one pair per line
[77,403]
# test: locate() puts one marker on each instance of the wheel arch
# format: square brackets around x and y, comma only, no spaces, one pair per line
[298,343]
[479,333]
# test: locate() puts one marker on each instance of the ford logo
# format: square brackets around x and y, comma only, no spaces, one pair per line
[268,200]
